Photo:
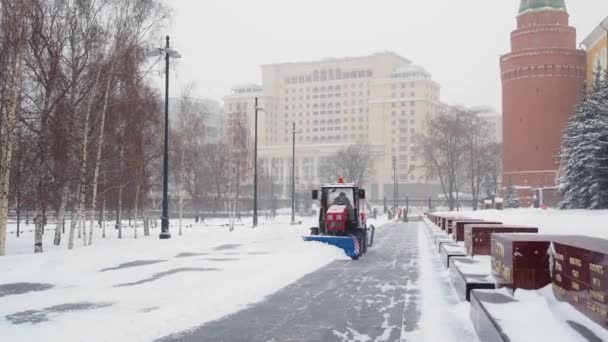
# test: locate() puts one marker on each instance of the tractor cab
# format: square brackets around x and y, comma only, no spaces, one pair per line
[342,222]
[340,209]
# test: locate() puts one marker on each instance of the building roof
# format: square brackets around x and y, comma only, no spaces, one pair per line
[598,33]
[541,5]
[341,60]
[410,69]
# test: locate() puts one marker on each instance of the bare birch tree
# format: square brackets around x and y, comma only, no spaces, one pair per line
[13,29]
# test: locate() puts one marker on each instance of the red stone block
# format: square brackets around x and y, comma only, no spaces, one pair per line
[477,237]
[458,231]
[585,259]
[570,290]
[521,261]
[598,296]
[571,260]
[597,312]
[451,223]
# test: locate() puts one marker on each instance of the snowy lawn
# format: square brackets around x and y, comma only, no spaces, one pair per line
[550,221]
[139,290]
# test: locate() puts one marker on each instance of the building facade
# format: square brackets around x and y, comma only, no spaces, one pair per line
[541,81]
[210,111]
[382,100]
[596,44]
[493,120]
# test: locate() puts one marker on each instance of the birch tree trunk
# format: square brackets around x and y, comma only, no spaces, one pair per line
[103,218]
[84,160]
[181,211]
[6,147]
[146,223]
[73,224]
[136,207]
[38,231]
[119,217]
[182,177]
[60,215]
[99,150]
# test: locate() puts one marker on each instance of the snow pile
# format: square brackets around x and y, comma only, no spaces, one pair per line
[560,222]
[555,317]
[139,290]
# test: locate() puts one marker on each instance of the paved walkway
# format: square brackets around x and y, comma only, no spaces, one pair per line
[373,299]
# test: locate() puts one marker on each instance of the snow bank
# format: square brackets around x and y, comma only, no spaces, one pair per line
[202,276]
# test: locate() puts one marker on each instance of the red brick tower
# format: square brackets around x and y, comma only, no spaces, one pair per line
[542,78]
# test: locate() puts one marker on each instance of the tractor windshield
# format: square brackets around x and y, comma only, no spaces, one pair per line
[340,196]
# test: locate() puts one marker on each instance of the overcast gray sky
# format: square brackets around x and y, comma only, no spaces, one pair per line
[224,42]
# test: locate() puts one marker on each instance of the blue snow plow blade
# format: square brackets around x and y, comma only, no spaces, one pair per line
[350,245]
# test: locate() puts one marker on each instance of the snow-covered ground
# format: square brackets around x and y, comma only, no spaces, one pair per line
[551,317]
[553,320]
[550,221]
[139,290]
[442,316]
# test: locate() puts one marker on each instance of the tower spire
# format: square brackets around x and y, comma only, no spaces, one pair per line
[539,5]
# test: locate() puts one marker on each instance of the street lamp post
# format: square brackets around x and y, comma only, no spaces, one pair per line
[255,167]
[293,176]
[168,53]
[395,184]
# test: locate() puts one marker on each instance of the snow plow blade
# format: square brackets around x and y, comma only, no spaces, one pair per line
[349,244]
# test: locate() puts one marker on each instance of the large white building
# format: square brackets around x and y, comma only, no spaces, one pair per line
[494,120]
[382,100]
[210,111]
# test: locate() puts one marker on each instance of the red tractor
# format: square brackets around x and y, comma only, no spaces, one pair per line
[342,220]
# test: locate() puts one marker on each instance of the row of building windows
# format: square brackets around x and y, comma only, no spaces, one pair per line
[325,104]
[403,122]
[338,128]
[326,96]
[403,113]
[329,75]
[331,121]
[329,88]
[335,138]
[345,112]
[412,94]
[396,104]
[342,113]
[412,75]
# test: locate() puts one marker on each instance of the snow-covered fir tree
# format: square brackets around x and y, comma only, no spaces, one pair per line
[511,198]
[584,154]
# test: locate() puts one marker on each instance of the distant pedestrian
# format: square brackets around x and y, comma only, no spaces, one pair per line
[238,217]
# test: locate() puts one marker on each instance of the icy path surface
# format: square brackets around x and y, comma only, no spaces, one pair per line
[375,299]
